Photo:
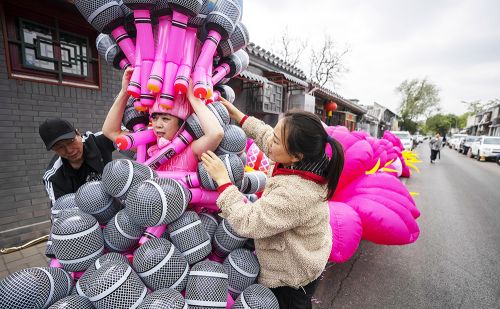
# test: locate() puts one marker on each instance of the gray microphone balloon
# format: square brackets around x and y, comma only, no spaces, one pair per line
[256,296]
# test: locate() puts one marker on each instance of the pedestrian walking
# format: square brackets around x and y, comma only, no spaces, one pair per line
[435,145]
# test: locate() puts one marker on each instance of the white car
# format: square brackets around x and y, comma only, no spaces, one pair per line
[405,138]
[454,141]
[486,147]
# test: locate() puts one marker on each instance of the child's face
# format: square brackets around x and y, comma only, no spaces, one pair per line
[165,125]
[277,151]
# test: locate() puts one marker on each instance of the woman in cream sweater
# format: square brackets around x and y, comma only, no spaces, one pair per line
[290,222]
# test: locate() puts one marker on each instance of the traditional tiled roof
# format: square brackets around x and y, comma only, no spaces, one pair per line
[331,95]
[254,77]
[266,55]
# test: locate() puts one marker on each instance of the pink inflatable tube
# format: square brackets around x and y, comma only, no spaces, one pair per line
[134,86]
[141,149]
[189,179]
[131,140]
[145,42]
[125,42]
[152,232]
[182,78]
[176,39]
[177,145]
[201,68]
[156,78]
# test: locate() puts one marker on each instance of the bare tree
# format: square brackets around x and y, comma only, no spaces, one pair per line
[289,48]
[326,63]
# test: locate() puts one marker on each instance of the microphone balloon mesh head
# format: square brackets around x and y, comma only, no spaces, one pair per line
[187,7]
[193,126]
[234,140]
[116,285]
[93,199]
[236,41]
[234,167]
[157,201]
[161,8]
[73,301]
[77,240]
[256,181]
[122,174]
[209,222]
[220,112]
[207,286]
[121,233]
[164,299]
[242,268]
[132,117]
[243,158]
[224,17]
[226,239]
[104,15]
[106,47]
[226,92]
[161,265]
[36,287]
[189,236]
[139,4]
[64,203]
[243,60]
[198,20]
[256,296]
[82,283]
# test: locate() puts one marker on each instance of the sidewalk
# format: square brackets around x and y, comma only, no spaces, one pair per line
[29,257]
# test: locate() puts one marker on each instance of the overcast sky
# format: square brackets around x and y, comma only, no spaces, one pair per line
[454,44]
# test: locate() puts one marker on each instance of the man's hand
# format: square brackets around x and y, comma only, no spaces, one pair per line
[215,168]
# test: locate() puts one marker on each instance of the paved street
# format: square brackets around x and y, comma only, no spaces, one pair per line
[456,261]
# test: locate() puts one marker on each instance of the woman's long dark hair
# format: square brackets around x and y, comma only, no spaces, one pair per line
[306,138]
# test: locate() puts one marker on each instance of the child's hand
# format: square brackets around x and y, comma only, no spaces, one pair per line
[234,113]
[215,168]
[126,78]
[190,95]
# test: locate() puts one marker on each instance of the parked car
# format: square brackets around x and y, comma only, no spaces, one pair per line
[454,141]
[405,138]
[418,138]
[498,159]
[465,144]
[486,147]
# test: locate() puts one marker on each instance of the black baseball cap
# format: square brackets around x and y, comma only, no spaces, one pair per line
[53,130]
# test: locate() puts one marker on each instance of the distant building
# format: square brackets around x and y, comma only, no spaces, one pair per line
[379,119]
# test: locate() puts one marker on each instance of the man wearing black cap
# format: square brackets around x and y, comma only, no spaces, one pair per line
[78,158]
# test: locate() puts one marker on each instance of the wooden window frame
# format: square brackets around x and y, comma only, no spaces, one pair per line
[60,19]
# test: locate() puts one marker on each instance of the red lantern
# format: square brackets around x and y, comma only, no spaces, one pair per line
[330,107]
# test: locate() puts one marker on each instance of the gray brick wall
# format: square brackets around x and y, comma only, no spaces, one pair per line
[24,206]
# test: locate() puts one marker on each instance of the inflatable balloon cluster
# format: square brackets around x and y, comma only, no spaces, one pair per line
[370,202]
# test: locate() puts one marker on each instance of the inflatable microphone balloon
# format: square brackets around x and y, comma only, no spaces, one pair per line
[224,91]
[189,236]
[256,296]
[36,287]
[136,121]
[165,299]
[81,284]
[231,66]
[236,41]
[253,182]
[106,16]
[163,13]
[161,265]
[133,140]
[121,233]
[181,11]
[233,142]
[113,55]
[220,23]
[115,285]
[242,268]
[226,239]
[77,240]
[207,286]
[120,175]
[93,199]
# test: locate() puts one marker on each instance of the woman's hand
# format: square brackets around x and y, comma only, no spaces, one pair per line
[126,78]
[215,168]
[234,113]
